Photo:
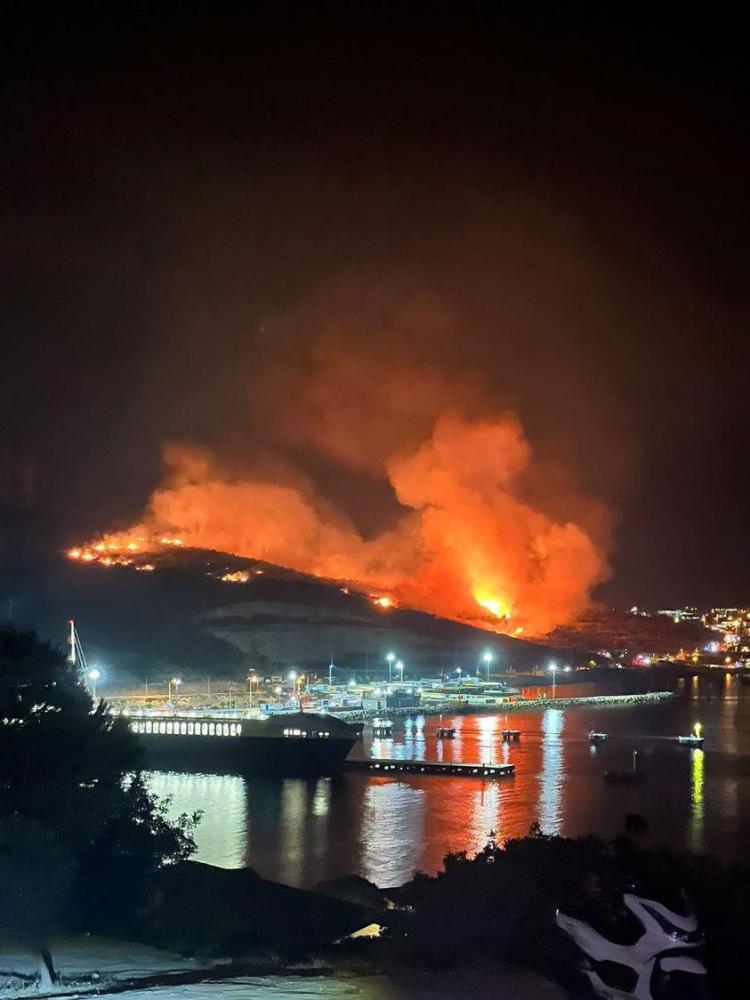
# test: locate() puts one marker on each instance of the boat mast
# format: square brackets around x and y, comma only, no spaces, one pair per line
[72,642]
[76,656]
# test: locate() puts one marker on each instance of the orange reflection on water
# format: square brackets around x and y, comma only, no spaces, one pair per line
[460,813]
[301,831]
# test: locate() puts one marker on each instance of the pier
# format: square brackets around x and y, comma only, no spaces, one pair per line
[374,766]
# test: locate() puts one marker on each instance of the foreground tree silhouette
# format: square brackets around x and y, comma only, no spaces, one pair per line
[36,878]
[74,814]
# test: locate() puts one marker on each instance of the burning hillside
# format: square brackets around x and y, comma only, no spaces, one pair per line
[372,455]
[467,546]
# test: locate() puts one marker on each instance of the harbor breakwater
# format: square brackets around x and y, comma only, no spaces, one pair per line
[521,705]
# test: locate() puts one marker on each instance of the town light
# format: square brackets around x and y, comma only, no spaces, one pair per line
[553,671]
[390,657]
[93,675]
[487,657]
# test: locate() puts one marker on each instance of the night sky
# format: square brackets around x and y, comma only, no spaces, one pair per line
[180,182]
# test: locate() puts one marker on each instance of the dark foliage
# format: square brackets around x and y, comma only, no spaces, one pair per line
[501,903]
[36,877]
[69,772]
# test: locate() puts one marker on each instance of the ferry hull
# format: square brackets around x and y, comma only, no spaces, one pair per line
[262,755]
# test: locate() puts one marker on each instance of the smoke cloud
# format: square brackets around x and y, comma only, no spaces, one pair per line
[449,513]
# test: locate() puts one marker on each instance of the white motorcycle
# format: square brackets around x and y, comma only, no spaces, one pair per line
[659,965]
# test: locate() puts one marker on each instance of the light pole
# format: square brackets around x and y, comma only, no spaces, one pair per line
[400,668]
[459,679]
[553,671]
[487,657]
[176,681]
[390,657]
[293,679]
[330,673]
[94,675]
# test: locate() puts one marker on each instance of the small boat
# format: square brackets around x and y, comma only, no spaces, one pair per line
[695,739]
[595,737]
[382,727]
[445,732]
[632,774]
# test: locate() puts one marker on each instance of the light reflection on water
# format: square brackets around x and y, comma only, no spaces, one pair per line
[224,832]
[302,831]
[389,808]
[552,775]
[697,778]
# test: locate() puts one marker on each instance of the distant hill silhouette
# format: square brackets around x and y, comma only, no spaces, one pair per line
[182,617]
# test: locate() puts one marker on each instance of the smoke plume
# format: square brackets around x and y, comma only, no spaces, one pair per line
[450,517]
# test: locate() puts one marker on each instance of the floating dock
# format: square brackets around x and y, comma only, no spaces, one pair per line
[373,766]
[511,735]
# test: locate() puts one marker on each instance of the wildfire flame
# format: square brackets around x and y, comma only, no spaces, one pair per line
[495,605]
[467,546]
[240,576]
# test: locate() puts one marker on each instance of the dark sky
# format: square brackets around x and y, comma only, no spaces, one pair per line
[572,190]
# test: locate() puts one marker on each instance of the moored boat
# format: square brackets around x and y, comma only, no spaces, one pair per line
[300,743]
[694,739]
[631,774]
[382,728]
[445,732]
[691,741]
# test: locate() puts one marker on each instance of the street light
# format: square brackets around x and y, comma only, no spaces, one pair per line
[400,668]
[176,681]
[292,677]
[487,657]
[252,678]
[553,671]
[390,657]
[94,675]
